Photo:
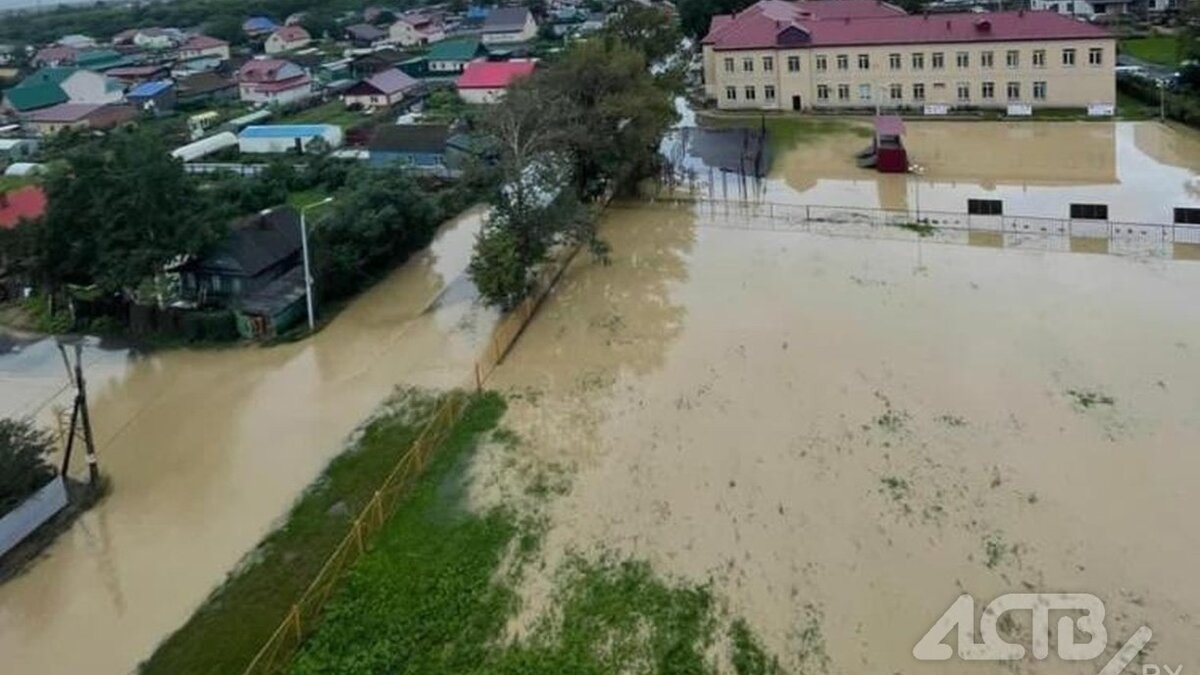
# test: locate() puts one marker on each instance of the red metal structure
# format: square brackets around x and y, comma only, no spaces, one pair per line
[887,153]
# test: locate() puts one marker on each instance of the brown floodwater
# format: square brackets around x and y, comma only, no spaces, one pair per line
[207,449]
[849,432]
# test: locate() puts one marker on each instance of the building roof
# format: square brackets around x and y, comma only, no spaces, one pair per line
[292,34]
[506,19]
[454,50]
[255,244]
[27,203]
[204,83]
[34,96]
[203,42]
[256,24]
[493,74]
[56,54]
[276,296]
[286,130]
[63,112]
[365,32]
[391,81]
[150,89]
[48,76]
[100,58]
[262,70]
[817,23]
[422,138]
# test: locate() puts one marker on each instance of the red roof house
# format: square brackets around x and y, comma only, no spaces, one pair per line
[27,203]
[485,81]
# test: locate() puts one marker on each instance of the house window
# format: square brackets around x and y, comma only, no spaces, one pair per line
[843,62]
[1039,91]
[768,64]
[988,90]
[963,59]
[918,92]
[1014,91]
[939,60]
[1039,58]
[1187,215]
[731,93]
[1095,56]
[843,92]
[864,61]
[823,92]
[985,207]
[964,91]
[729,65]
[894,61]
[864,92]
[793,64]
[769,92]
[895,92]
[748,65]
[918,61]
[1068,57]
[985,60]
[1012,58]
[822,63]
[1089,211]
[750,94]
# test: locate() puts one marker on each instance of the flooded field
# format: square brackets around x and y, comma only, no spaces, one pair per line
[207,448]
[844,434]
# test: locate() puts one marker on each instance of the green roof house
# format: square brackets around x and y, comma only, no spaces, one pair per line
[101,59]
[24,98]
[450,57]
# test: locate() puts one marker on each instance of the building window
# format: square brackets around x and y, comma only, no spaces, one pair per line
[1039,91]
[748,65]
[895,92]
[985,60]
[843,62]
[1090,211]
[843,92]
[938,60]
[864,61]
[963,59]
[1095,56]
[731,93]
[729,65]
[768,64]
[964,91]
[769,92]
[1068,57]
[864,92]
[988,90]
[918,92]
[894,61]
[985,207]
[1014,91]
[1039,58]
[823,92]
[918,61]
[1012,58]
[822,63]
[1185,215]
[750,93]
[793,64]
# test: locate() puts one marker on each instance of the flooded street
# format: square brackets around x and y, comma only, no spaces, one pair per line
[207,448]
[847,433]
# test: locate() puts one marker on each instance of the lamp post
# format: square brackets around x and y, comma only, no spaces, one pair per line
[1162,100]
[308,280]
[918,171]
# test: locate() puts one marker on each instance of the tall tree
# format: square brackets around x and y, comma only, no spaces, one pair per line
[649,30]
[695,16]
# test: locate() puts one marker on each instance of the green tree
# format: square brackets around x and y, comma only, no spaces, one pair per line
[695,16]
[23,467]
[649,30]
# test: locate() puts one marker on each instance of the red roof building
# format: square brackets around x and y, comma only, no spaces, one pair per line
[485,81]
[27,203]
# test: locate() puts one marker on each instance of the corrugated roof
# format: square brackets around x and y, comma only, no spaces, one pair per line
[63,112]
[255,243]
[505,19]
[454,50]
[286,130]
[423,138]
[35,96]
[493,74]
[392,81]
[148,89]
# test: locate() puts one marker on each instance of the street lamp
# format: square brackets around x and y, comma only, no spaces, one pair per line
[308,280]
[918,171]
[1162,100]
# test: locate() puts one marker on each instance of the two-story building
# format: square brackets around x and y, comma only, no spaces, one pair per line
[828,54]
[273,82]
[508,25]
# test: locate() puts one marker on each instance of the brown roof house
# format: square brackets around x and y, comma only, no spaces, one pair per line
[383,89]
[49,121]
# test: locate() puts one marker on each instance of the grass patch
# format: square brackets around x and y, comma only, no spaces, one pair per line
[8,183]
[922,229]
[233,623]
[331,112]
[749,657]
[1160,49]
[786,132]
[1090,399]
[301,198]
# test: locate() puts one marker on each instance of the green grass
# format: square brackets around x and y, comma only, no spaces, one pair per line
[13,182]
[301,198]
[786,132]
[1161,49]
[234,622]
[332,112]
[1132,108]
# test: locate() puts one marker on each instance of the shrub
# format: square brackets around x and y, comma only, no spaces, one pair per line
[23,466]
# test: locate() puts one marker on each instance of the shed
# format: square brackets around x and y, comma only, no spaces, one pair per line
[274,308]
[205,146]
[279,138]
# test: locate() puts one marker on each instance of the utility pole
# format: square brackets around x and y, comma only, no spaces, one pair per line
[79,414]
[308,280]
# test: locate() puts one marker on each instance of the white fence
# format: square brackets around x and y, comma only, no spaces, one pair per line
[32,514]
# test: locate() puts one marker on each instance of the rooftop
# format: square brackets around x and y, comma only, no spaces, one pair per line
[26,203]
[286,130]
[454,50]
[505,19]
[391,81]
[424,138]
[493,74]
[63,112]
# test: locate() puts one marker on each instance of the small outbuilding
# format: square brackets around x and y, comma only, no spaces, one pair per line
[279,138]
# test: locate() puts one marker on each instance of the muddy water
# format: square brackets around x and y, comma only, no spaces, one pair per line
[1142,170]
[849,433]
[207,448]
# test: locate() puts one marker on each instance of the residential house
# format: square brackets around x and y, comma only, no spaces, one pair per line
[101,60]
[153,38]
[157,96]
[28,97]
[421,146]
[52,86]
[451,56]
[485,81]
[27,203]
[287,39]
[282,138]
[208,87]
[417,28]
[201,46]
[132,75]
[508,25]
[77,41]
[49,121]
[258,26]
[366,65]
[364,35]
[54,56]
[383,89]
[273,82]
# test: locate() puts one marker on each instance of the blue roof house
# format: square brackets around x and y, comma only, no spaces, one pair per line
[156,96]
[259,25]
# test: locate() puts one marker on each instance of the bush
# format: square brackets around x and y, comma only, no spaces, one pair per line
[23,466]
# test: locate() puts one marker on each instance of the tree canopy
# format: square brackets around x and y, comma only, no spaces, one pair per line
[696,15]
[23,467]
